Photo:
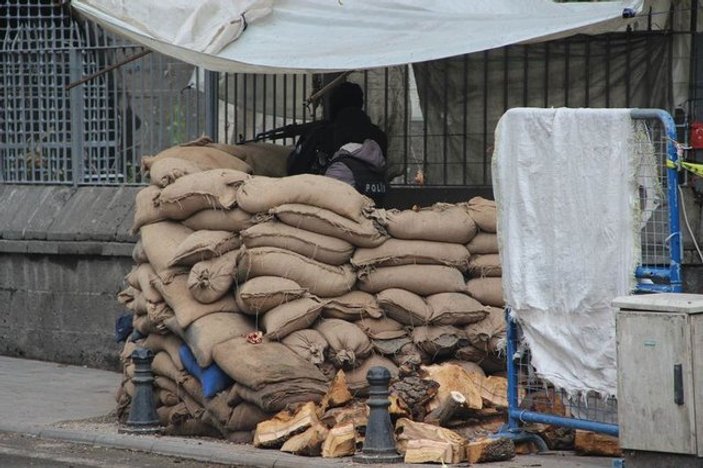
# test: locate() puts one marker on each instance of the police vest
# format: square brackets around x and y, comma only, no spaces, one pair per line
[367,181]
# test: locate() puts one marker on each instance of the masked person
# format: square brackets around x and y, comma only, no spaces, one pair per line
[316,152]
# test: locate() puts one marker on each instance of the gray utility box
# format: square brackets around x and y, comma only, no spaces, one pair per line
[660,373]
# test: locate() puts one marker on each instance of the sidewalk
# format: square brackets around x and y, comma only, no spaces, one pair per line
[69,403]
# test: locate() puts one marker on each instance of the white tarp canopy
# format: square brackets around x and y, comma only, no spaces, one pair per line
[283,36]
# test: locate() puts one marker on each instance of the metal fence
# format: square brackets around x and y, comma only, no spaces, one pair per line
[439,115]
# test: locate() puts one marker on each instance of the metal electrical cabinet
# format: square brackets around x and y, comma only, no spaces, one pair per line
[660,373]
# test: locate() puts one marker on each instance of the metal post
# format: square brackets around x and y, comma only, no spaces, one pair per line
[212,115]
[77,126]
[379,443]
[142,413]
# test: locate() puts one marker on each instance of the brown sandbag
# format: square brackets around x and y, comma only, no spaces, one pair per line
[484,214]
[286,318]
[485,265]
[308,344]
[139,305]
[420,279]
[143,325]
[489,362]
[205,158]
[211,279]
[276,397]
[455,309]
[163,365]
[363,233]
[356,378]
[488,291]
[441,222]
[390,347]
[160,240]
[166,343]
[404,306]
[233,220]
[316,246]
[265,159]
[483,243]
[263,293]
[409,356]
[146,210]
[204,245]
[320,279]
[260,194]
[127,296]
[218,409]
[488,334]
[167,398]
[165,171]
[351,306]
[202,190]
[145,274]
[138,254]
[206,332]
[384,328]
[258,365]
[131,278]
[438,341]
[349,345]
[185,307]
[411,252]
[159,313]
[245,416]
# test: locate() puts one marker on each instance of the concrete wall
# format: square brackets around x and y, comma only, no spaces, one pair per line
[63,254]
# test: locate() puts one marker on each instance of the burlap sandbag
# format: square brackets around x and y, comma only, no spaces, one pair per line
[163,365]
[265,159]
[186,308]
[211,279]
[286,318]
[488,334]
[349,345]
[356,378]
[308,344]
[139,305]
[483,243]
[233,220]
[441,222]
[144,325]
[203,245]
[138,254]
[145,274]
[159,313]
[205,158]
[245,416]
[260,194]
[166,343]
[484,214]
[488,291]
[410,252]
[485,265]
[363,233]
[404,306]
[263,293]
[276,397]
[438,341]
[319,278]
[206,332]
[319,247]
[455,309]
[384,328]
[258,365]
[409,356]
[131,278]
[200,191]
[420,279]
[218,409]
[351,306]
[146,210]
[167,398]
[160,240]
[390,347]
[127,296]
[165,171]
[489,362]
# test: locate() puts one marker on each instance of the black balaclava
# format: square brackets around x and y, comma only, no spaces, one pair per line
[347,94]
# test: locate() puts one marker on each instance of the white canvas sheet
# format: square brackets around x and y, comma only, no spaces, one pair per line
[330,35]
[566,188]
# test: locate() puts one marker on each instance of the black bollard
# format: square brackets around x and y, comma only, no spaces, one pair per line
[379,443]
[142,413]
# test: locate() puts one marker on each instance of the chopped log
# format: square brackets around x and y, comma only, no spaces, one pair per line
[340,442]
[308,442]
[429,443]
[398,408]
[490,450]
[284,425]
[415,392]
[591,443]
[442,415]
[494,391]
[556,437]
[356,414]
[338,394]
[526,448]
[452,377]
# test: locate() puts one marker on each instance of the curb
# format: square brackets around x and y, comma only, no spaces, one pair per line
[192,449]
